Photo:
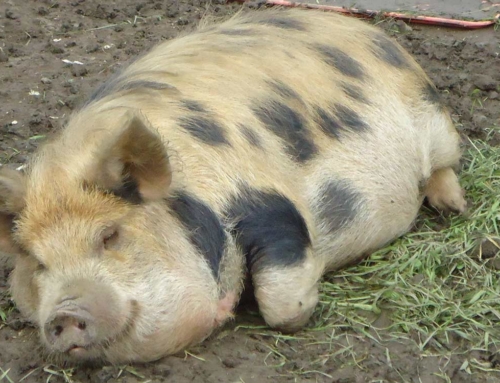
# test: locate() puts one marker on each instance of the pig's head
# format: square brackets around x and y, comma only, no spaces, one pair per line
[102,266]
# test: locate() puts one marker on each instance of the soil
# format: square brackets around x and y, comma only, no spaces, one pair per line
[38,91]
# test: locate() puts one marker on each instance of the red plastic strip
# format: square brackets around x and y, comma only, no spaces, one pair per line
[430,20]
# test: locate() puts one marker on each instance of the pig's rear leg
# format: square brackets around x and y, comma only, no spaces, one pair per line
[443,189]
[444,192]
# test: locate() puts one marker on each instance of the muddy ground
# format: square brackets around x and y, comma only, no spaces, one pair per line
[37,93]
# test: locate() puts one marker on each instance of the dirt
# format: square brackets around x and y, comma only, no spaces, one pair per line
[38,91]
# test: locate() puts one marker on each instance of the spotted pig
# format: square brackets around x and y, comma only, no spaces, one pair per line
[278,144]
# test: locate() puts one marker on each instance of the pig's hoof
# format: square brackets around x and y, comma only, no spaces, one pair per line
[289,317]
[444,192]
[293,325]
[287,297]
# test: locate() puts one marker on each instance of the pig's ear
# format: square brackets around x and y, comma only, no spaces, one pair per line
[134,163]
[12,192]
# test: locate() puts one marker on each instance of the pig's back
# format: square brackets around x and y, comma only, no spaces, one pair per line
[321,108]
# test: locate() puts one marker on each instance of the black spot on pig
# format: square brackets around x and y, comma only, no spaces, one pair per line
[144,84]
[328,123]
[118,84]
[268,228]
[193,106]
[350,119]
[204,227]
[431,95]
[288,125]
[283,90]
[354,92]
[237,32]
[204,129]
[338,205]
[339,119]
[105,88]
[284,23]
[388,51]
[340,61]
[251,136]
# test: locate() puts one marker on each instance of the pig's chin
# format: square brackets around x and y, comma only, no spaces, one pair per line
[83,354]
[78,355]
[96,353]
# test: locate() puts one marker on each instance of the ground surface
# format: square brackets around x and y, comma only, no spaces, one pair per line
[441,311]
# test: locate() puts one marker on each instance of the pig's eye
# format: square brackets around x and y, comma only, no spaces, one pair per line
[109,238]
[41,267]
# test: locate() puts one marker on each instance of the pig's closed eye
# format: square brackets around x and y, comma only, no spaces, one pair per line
[109,238]
[41,267]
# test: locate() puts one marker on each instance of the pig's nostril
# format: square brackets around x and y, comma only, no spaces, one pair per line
[58,330]
[65,326]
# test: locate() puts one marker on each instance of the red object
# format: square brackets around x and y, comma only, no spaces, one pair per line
[361,13]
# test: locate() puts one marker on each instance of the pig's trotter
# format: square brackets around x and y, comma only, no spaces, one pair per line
[444,192]
[287,296]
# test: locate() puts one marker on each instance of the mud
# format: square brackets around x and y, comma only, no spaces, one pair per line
[38,91]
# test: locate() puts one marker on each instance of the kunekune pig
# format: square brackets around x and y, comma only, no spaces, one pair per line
[285,143]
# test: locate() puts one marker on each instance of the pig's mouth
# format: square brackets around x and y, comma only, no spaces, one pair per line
[77,351]
[84,353]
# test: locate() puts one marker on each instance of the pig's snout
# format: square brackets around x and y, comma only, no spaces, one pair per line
[87,316]
[70,328]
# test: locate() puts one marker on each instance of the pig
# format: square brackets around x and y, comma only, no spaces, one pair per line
[277,144]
